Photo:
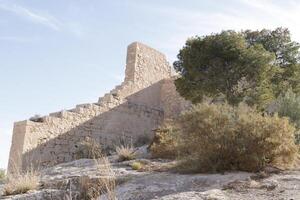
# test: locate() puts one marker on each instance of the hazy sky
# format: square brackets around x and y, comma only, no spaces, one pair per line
[55,54]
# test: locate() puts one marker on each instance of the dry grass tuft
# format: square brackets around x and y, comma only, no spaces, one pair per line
[125,152]
[104,185]
[21,183]
[89,148]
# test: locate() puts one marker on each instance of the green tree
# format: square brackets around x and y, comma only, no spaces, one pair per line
[225,64]
[287,55]
[251,66]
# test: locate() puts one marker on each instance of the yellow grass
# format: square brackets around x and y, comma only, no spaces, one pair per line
[21,183]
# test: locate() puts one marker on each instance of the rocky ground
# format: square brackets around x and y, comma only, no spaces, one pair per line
[155,181]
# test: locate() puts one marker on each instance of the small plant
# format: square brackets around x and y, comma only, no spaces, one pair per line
[125,152]
[21,183]
[89,148]
[136,165]
[2,175]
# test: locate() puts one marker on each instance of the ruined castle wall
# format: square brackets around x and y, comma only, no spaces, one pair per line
[145,65]
[132,109]
[145,68]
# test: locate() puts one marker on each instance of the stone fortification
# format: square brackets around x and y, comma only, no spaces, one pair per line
[131,110]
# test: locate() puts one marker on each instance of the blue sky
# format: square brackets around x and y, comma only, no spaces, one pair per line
[55,54]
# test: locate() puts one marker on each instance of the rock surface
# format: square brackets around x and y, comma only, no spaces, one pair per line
[155,182]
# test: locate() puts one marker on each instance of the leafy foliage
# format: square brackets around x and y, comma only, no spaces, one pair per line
[222,137]
[277,41]
[287,55]
[250,66]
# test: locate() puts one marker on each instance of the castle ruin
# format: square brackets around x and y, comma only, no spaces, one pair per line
[131,110]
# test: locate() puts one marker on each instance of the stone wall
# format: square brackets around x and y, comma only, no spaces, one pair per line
[130,110]
[171,102]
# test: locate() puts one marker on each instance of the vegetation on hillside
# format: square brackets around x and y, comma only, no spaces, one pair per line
[256,75]
[250,66]
[220,137]
[288,105]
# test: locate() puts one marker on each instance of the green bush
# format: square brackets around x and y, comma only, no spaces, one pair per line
[221,137]
[288,105]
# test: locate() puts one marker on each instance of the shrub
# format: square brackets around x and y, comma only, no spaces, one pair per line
[21,183]
[288,105]
[221,137]
[136,165]
[125,152]
[165,142]
[89,148]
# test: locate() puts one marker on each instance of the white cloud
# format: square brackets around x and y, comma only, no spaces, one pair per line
[42,18]
[33,16]
[241,15]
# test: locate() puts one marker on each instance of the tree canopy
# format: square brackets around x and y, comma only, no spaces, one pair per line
[250,66]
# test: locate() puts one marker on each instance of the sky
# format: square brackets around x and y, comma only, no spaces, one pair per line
[55,54]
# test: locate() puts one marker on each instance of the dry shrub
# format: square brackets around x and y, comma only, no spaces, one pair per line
[221,137]
[165,142]
[89,148]
[21,183]
[125,152]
